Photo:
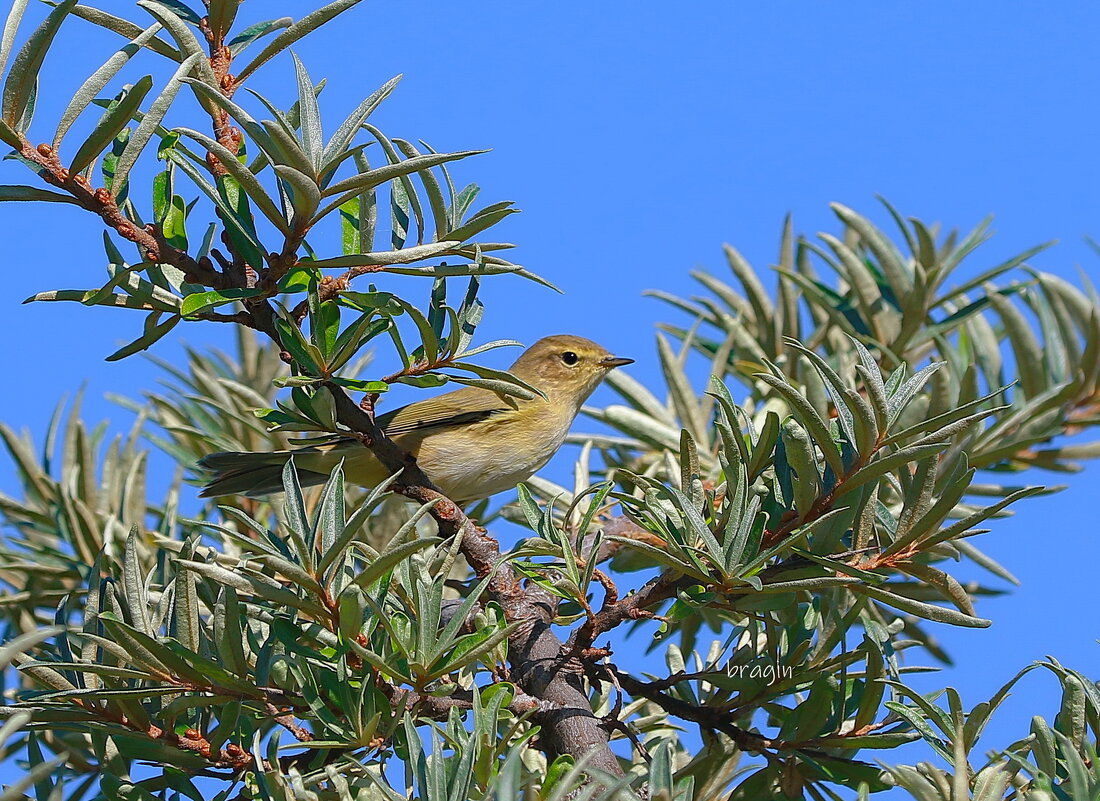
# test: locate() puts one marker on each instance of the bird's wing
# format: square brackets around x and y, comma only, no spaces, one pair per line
[461,407]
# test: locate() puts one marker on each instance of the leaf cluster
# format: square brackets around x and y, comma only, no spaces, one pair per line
[795,494]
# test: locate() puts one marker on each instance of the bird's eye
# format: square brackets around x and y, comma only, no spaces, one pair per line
[570,358]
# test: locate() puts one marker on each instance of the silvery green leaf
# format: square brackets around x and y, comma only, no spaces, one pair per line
[154,330]
[117,117]
[343,136]
[937,614]
[960,527]
[882,465]
[638,395]
[808,416]
[19,87]
[436,201]
[304,194]
[395,554]
[857,273]
[183,11]
[527,391]
[11,28]
[445,270]
[898,274]
[293,33]
[908,390]
[95,83]
[9,193]
[227,213]
[186,40]
[684,400]
[149,124]
[186,606]
[496,343]
[254,585]
[245,177]
[35,775]
[254,129]
[380,258]
[125,29]
[24,643]
[313,140]
[348,188]
[949,586]
[134,586]
[761,304]
[1025,347]
[642,426]
[484,219]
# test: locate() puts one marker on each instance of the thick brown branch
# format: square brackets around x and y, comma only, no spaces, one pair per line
[536,656]
[481,550]
[535,651]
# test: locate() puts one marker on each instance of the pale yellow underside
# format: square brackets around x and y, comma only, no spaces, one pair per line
[466,462]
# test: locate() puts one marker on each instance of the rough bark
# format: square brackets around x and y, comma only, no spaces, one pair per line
[537,658]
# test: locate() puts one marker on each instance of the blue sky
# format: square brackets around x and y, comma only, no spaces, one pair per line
[637,138]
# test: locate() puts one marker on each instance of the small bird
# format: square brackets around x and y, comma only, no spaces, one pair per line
[472,443]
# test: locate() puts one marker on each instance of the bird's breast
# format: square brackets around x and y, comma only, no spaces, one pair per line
[478,460]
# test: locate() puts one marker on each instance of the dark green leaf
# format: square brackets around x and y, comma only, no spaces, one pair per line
[202,301]
[254,32]
[154,330]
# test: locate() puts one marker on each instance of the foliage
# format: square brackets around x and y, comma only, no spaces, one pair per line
[791,498]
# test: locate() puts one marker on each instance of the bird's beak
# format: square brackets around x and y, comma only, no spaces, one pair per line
[614,361]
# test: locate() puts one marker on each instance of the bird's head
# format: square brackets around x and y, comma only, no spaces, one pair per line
[566,367]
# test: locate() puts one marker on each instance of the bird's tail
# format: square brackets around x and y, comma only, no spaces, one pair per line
[250,474]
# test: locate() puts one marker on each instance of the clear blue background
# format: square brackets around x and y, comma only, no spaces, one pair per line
[638,137]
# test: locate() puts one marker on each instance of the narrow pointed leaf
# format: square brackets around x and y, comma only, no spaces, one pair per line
[91,88]
[292,34]
[25,193]
[149,124]
[20,84]
[116,118]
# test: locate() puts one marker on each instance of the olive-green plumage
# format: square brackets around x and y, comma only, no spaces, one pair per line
[471,443]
